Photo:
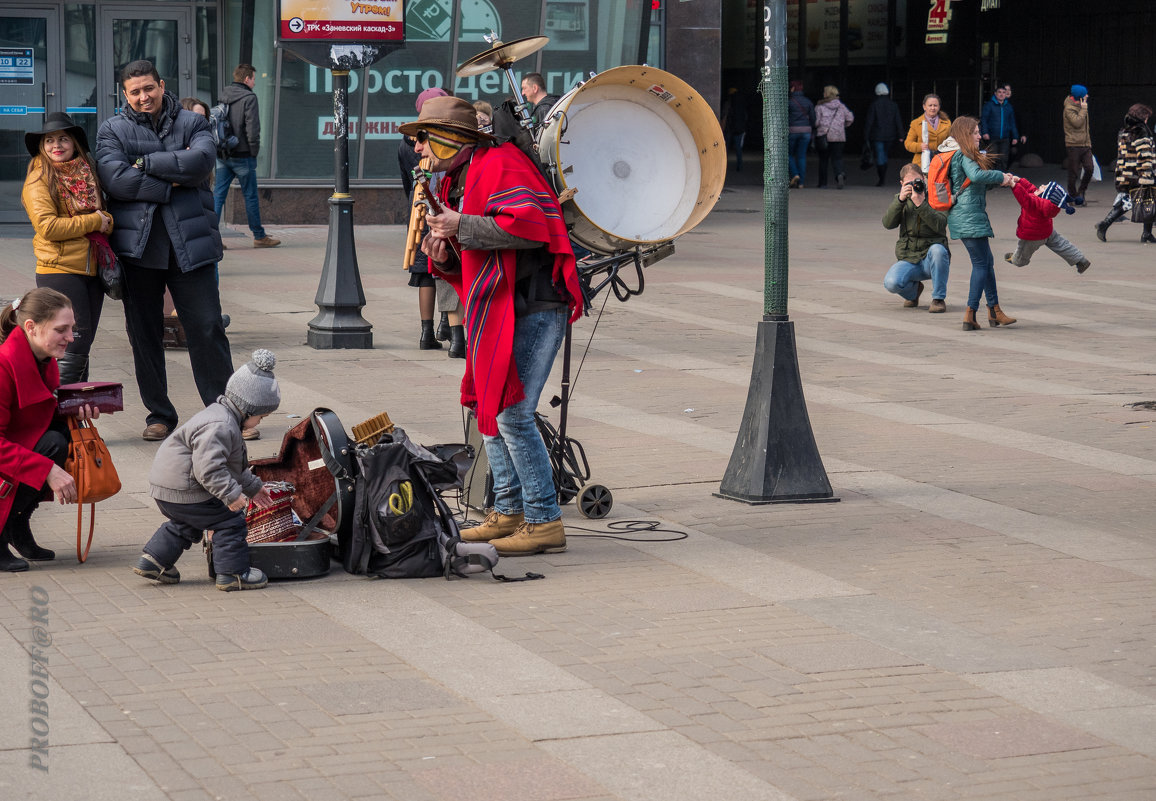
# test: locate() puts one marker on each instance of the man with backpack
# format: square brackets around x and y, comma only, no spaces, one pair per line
[922,247]
[241,160]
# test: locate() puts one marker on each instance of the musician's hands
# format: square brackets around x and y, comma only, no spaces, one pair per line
[444,225]
[437,249]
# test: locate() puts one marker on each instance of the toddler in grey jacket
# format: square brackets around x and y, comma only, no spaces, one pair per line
[201,481]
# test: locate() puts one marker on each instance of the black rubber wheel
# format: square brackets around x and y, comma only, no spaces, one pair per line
[595,501]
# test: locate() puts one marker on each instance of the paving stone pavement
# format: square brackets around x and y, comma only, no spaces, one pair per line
[972,620]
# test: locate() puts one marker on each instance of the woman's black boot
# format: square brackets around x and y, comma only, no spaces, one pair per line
[19,530]
[457,342]
[8,562]
[443,332]
[428,341]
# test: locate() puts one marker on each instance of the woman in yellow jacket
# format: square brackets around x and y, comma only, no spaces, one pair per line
[62,198]
[938,128]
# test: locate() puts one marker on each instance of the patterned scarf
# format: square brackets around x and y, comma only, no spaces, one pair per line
[503,184]
[77,186]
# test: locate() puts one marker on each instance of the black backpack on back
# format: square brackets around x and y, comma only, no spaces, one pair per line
[223,134]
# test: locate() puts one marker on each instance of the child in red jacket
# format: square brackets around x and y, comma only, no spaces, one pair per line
[1039,207]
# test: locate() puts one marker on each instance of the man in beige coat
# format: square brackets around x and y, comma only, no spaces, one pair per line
[1078,138]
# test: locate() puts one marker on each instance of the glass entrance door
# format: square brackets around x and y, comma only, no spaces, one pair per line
[128,33]
[29,87]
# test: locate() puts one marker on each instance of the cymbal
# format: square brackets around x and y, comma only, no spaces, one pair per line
[501,55]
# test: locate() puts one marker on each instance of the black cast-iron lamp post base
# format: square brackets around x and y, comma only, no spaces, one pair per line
[340,298]
[775,459]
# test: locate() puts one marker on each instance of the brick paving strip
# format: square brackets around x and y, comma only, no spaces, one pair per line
[972,620]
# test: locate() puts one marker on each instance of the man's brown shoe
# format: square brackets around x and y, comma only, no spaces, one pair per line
[494,526]
[937,306]
[532,538]
[156,432]
[266,242]
[911,304]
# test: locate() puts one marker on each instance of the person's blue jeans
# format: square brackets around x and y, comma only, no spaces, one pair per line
[736,144]
[982,272]
[245,170]
[903,276]
[882,151]
[797,154]
[519,461]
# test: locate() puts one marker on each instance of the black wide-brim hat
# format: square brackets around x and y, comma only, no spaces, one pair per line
[56,121]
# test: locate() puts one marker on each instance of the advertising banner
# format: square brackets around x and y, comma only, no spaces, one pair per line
[361,21]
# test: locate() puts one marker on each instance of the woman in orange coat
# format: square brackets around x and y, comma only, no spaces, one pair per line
[938,129]
[63,200]
[35,331]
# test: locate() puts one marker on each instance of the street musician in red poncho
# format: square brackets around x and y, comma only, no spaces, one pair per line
[500,240]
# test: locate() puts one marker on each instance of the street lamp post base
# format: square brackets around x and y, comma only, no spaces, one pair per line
[340,298]
[775,459]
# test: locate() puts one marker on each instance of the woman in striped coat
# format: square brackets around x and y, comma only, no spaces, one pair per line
[1135,168]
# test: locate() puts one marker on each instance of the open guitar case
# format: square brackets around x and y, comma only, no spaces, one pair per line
[316,457]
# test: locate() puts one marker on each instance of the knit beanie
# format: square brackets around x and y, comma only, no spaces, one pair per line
[881,89]
[253,389]
[427,94]
[1078,91]
[1057,195]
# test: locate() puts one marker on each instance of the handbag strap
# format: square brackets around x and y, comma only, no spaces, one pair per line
[82,550]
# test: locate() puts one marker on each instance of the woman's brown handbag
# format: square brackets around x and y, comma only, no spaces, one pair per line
[1144,204]
[91,468]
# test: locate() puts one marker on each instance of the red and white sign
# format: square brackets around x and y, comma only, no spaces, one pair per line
[342,21]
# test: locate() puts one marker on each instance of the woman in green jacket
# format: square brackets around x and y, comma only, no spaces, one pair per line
[967,221]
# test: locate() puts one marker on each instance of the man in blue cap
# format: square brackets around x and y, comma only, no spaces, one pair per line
[1078,138]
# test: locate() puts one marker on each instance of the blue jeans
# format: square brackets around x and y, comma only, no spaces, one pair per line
[882,151]
[245,169]
[903,275]
[523,478]
[797,154]
[982,272]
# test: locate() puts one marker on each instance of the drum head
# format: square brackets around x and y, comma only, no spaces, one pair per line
[644,152]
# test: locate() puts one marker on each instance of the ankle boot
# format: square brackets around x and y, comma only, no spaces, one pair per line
[73,368]
[969,323]
[8,562]
[881,169]
[427,341]
[20,537]
[457,342]
[1102,226]
[996,317]
[1147,237]
[443,332]
[495,526]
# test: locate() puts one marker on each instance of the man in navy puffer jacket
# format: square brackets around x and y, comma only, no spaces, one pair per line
[154,160]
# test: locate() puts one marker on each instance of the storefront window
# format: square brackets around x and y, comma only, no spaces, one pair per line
[585,36]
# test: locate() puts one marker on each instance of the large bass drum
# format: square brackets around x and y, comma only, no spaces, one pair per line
[644,153]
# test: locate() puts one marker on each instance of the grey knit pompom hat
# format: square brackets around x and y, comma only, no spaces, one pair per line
[253,388]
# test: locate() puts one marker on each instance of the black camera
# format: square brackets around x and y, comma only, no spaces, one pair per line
[918,186]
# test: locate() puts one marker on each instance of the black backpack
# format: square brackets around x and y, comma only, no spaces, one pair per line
[401,526]
[223,136]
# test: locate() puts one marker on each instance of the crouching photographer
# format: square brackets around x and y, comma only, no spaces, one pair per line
[922,247]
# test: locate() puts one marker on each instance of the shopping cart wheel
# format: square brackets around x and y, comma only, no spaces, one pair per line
[595,501]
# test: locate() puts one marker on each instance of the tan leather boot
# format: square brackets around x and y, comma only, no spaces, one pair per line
[996,317]
[532,538]
[969,323]
[494,526]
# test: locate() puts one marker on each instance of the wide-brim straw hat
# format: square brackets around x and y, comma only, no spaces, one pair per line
[452,115]
[56,121]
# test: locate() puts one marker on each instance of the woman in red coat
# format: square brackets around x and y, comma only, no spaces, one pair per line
[35,331]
